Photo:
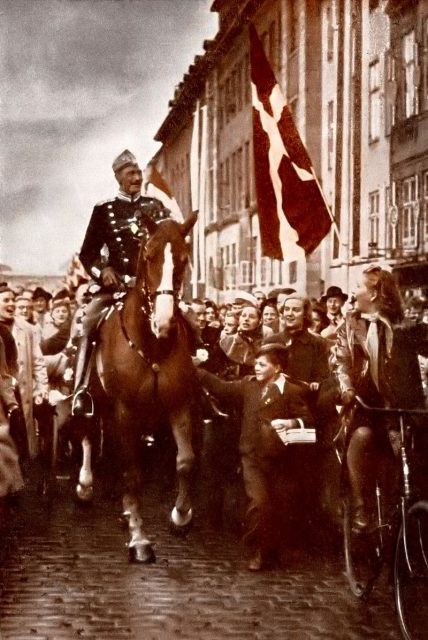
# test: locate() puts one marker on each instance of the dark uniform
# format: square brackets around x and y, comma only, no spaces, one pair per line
[114,227]
[113,239]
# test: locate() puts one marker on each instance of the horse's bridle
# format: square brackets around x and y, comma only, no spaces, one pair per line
[147,309]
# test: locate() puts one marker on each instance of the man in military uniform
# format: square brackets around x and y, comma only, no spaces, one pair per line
[109,254]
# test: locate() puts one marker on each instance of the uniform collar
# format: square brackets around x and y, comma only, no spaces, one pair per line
[127,198]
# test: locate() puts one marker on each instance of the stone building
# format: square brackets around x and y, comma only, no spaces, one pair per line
[218,87]
[355,74]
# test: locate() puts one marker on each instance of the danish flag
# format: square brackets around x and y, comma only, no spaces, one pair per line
[293,215]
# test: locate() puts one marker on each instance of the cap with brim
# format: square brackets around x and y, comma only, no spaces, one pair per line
[334,292]
[39,292]
[245,297]
[272,347]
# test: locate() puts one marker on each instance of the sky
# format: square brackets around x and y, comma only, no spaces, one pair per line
[81,81]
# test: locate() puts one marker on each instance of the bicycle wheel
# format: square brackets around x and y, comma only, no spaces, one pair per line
[411,573]
[363,554]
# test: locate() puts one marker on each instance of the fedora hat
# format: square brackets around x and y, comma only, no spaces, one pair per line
[39,292]
[334,292]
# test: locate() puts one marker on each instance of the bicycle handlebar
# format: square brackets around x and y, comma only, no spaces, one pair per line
[398,410]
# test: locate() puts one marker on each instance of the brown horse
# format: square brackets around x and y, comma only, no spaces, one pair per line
[145,370]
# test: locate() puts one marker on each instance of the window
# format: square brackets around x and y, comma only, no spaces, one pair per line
[292,25]
[221,107]
[374,101]
[265,271]
[247,79]
[273,46]
[330,135]
[247,174]
[373,219]
[425,62]
[409,69]
[238,87]
[239,180]
[390,92]
[330,31]
[425,208]
[293,272]
[408,213]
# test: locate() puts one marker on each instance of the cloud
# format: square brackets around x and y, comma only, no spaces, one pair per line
[85,79]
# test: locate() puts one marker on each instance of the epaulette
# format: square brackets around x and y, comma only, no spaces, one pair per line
[100,204]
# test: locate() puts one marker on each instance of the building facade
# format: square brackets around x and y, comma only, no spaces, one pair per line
[355,75]
[218,88]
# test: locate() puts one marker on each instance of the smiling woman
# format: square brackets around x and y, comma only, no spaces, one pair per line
[85,79]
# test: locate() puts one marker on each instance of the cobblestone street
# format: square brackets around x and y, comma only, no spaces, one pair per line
[65,575]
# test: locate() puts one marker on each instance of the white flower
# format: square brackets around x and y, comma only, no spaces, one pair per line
[202,355]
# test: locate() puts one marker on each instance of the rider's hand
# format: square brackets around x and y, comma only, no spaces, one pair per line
[348,396]
[38,399]
[314,386]
[109,277]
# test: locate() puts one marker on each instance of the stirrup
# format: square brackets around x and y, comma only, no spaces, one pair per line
[83,404]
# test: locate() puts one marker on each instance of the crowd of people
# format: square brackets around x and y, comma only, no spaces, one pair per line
[263,358]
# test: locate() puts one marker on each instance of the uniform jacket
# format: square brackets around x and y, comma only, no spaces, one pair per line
[307,357]
[114,224]
[257,436]
[399,373]
[32,375]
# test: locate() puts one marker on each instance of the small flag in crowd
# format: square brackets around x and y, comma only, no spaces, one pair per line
[156,187]
[76,274]
[291,207]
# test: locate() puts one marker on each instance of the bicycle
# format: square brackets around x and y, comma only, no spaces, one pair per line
[401,533]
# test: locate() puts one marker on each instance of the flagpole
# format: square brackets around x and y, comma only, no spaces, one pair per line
[333,221]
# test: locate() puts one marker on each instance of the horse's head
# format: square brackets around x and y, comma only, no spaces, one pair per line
[162,265]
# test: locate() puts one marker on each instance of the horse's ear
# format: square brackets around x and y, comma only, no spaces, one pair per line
[188,224]
[148,222]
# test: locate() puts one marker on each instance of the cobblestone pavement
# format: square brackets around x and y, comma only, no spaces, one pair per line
[65,575]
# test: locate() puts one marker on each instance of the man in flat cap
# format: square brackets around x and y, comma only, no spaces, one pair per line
[109,254]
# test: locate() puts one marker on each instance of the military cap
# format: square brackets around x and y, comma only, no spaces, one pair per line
[123,160]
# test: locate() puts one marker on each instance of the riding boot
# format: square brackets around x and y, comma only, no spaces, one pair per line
[82,405]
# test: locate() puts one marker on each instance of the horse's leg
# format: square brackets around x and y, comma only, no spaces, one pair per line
[125,439]
[181,425]
[84,488]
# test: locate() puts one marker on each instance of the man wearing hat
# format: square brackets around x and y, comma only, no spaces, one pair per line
[41,299]
[333,300]
[115,225]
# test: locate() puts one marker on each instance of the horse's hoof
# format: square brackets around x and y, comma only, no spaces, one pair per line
[141,554]
[180,522]
[85,494]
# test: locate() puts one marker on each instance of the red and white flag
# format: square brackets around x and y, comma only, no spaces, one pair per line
[76,274]
[156,187]
[291,207]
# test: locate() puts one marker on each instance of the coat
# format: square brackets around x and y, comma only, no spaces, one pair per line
[400,377]
[10,473]
[32,376]
[257,436]
[307,357]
